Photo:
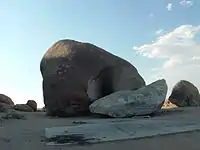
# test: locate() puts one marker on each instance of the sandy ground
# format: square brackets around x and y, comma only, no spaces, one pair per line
[28,134]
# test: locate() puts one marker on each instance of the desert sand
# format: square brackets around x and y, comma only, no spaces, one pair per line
[28,134]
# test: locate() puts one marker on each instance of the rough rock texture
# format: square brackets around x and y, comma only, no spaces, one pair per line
[185,94]
[5,99]
[43,109]
[5,107]
[143,101]
[23,107]
[32,104]
[67,67]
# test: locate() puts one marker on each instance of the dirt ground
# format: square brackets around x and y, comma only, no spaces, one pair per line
[28,134]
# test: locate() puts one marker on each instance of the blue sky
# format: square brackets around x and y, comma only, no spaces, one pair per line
[29,28]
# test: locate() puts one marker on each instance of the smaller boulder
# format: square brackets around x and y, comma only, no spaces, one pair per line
[144,101]
[23,107]
[185,94]
[32,104]
[6,100]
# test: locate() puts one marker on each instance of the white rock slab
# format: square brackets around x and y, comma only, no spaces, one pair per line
[143,101]
[111,131]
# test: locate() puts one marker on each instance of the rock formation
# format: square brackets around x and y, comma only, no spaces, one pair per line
[144,101]
[5,99]
[67,67]
[5,107]
[32,104]
[185,94]
[22,107]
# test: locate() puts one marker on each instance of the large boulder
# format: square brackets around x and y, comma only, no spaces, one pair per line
[144,101]
[32,104]
[6,100]
[69,66]
[185,94]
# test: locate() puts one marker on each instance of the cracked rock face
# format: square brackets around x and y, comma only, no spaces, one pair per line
[144,101]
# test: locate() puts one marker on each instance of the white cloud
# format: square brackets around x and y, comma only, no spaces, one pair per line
[180,52]
[186,3]
[169,6]
[159,32]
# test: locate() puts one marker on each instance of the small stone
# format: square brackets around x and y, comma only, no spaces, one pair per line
[79,122]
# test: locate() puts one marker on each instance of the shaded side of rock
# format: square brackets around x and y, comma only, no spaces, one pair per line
[66,68]
[23,107]
[144,101]
[185,94]
[112,79]
[5,107]
[32,104]
[5,99]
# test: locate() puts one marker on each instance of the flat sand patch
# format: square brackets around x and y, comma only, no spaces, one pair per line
[28,134]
